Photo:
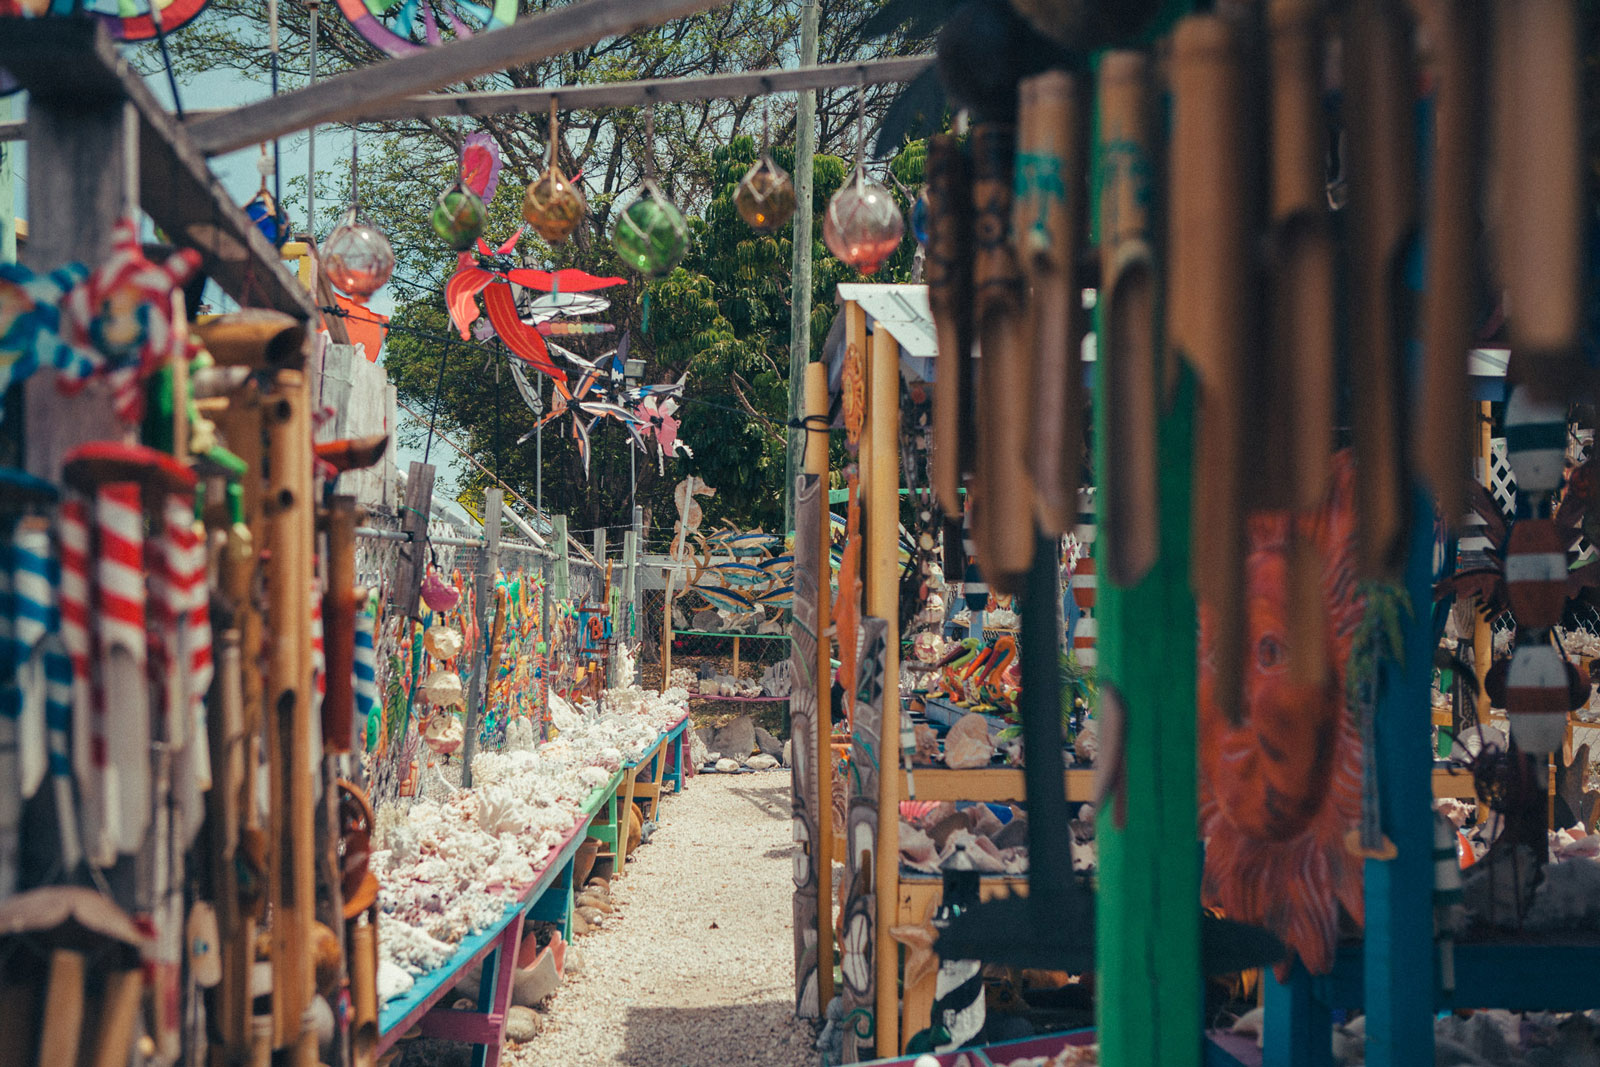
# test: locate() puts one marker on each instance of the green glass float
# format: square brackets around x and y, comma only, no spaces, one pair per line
[459,216]
[765,196]
[652,235]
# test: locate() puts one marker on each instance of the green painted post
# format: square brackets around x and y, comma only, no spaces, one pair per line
[1147,919]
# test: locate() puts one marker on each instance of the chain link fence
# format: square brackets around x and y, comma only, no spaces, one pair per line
[515,649]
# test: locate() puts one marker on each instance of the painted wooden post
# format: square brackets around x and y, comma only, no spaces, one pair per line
[881,566]
[483,595]
[1147,916]
[81,178]
[817,464]
[1398,961]
[414,552]
[561,586]
[807,627]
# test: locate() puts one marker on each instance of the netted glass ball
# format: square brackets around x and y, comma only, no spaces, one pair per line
[357,257]
[863,225]
[553,206]
[652,235]
[765,196]
[458,217]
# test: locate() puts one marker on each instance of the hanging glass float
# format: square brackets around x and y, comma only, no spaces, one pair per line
[919,219]
[459,216]
[264,210]
[765,196]
[357,257]
[863,224]
[552,205]
[652,235]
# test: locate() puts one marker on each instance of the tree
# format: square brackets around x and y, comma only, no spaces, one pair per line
[722,316]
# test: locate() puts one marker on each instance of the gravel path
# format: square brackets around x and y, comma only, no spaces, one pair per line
[696,968]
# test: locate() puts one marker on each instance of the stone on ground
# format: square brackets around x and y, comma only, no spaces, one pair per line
[658,984]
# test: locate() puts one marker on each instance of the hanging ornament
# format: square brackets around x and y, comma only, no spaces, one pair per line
[652,235]
[357,257]
[765,196]
[264,210]
[480,165]
[439,594]
[862,225]
[552,205]
[459,216]
[919,220]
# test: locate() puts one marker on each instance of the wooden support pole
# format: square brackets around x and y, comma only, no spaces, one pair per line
[79,184]
[414,552]
[347,96]
[816,462]
[289,578]
[561,587]
[736,655]
[483,594]
[881,566]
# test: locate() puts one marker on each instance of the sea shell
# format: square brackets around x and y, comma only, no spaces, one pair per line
[439,594]
[442,642]
[443,689]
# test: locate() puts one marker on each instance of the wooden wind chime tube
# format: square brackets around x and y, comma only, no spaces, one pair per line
[1302,320]
[1005,368]
[289,580]
[949,274]
[1128,285]
[1539,223]
[1445,440]
[1047,231]
[236,740]
[1380,125]
[817,463]
[339,625]
[881,564]
[1210,311]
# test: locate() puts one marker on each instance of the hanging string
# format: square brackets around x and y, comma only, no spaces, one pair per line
[861,122]
[355,198]
[555,135]
[650,141]
[438,388]
[311,134]
[166,58]
[272,52]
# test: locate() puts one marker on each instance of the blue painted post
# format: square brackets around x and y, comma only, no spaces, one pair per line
[1399,958]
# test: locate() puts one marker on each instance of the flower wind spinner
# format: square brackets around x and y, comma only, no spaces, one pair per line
[459,216]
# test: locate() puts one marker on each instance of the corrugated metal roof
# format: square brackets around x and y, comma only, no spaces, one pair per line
[903,310]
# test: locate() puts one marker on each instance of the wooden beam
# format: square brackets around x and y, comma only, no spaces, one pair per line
[655,90]
[14,130]
[352,95]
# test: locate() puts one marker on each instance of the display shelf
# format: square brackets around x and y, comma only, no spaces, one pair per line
[548,898]
[728,633]
[739,700]
[994,784]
